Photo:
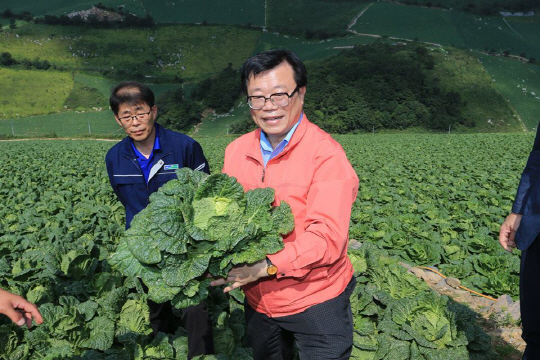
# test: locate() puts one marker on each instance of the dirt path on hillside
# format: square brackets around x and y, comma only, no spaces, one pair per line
[353,22]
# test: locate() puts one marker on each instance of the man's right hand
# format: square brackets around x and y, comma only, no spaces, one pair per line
[508,231]
[18,309]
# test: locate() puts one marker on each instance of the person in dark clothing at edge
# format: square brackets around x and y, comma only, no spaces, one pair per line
[138,166]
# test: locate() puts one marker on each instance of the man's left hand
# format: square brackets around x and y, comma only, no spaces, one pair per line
[242,275]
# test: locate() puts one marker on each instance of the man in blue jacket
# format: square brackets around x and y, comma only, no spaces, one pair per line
[137,166]
[521,229]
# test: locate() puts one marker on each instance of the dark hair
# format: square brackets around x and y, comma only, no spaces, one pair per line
[131,93]
[270,59]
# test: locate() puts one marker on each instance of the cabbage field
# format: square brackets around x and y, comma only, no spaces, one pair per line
[434,200]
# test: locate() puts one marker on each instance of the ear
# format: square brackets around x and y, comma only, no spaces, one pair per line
[118,120]
[154,110]
[301,94]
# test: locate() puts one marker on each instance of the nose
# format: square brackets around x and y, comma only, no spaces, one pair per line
[135,121]
[269,105]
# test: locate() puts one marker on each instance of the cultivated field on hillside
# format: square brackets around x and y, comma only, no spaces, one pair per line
[235,12]
[307,17]
[432,200]
[309,49]
[187,52]
[30,92]
[519,83]
[460,71]
[449,28]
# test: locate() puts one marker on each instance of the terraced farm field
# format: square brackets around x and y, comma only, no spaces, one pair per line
[434,200]
[451,28]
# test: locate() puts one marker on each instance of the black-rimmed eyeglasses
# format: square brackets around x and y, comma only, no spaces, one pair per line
[278,99]
[141,117]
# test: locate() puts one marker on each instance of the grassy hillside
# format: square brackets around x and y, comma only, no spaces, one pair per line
[480,7]
[452,28]
[31,92]
[309,49]
[63,124]
[519,83]
[231,12]
[460,71]
[104,85]
[164,52]
[219,125]
[312,18]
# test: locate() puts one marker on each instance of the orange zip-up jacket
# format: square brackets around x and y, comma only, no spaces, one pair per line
[314,177]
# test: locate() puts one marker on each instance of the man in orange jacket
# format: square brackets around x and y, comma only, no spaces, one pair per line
[301,293]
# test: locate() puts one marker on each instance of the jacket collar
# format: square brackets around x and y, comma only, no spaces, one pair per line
[254,151]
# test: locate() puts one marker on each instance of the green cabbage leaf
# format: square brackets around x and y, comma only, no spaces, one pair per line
[195,225]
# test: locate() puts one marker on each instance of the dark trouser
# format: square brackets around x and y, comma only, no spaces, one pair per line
[529,293]
[194,318]
[323,331]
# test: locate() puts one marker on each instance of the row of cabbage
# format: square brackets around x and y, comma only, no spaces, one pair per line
[439,200]
[430,200]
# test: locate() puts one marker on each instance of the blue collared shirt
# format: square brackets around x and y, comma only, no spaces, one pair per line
[145,163]
[266,148]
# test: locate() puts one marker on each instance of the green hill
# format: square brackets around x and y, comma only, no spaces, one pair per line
[168,56]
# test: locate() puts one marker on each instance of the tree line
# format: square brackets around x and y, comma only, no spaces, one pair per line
[180,111]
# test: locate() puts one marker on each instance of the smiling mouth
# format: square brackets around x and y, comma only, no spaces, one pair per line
[273,118]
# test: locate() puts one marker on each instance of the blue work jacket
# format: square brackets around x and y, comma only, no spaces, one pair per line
[126,177]
[527,201]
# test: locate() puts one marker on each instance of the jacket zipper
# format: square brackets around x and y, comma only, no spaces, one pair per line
[264,170]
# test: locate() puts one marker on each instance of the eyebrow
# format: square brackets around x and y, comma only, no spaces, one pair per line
[275,88]
[139,107]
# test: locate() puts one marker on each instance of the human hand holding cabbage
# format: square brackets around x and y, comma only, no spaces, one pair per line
[242,275]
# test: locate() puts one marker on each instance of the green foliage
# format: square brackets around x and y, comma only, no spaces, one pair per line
[32,92]
[193,52]
[318,19]
[176,112]
[199,224]
[482,7]
[427,200]
[238,12]
[243,126]
[219,93]
[59,212]
[517,82]
[380,86]
[396,316]
[84,97]
[451,28]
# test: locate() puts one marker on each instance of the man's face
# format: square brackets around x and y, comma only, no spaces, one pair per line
[276,121]
[140,128]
